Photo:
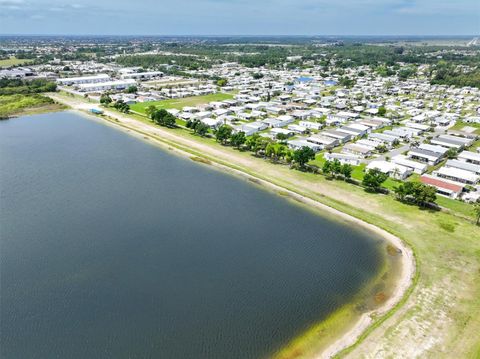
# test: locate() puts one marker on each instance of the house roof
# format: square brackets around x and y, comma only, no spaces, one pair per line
[436,182]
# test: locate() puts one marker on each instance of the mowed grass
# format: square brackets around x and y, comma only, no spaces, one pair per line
[179,103]
[460,125]
[13,62]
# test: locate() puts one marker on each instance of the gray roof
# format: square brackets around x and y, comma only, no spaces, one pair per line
[463,165]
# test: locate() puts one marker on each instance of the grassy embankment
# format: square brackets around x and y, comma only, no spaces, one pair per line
[18,97]
[441,316]
[18,105]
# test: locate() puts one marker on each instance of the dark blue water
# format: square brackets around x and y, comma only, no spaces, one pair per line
[113,248]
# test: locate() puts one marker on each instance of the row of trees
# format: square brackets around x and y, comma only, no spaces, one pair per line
[21,87]
[264,146]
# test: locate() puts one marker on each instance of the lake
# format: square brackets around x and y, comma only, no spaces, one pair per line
[114,248]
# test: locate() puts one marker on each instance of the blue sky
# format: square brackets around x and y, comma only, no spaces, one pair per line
[240,17]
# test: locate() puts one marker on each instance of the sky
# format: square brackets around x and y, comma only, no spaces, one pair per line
[240,17]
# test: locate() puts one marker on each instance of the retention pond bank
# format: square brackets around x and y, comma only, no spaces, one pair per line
[112,248]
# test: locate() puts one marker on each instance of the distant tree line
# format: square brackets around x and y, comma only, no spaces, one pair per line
[18,86]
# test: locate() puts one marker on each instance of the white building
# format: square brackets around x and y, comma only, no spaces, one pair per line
[83,80]
[105,86]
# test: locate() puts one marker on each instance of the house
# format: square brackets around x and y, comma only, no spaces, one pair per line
[343,158]
[276,131]
[311,125]
[416,167]
[326,142]
[355,129]
[463,166]
[444,187]
[297,144]
[212,122]
[457,175]
[297,128]
[451,141]
[383,138]
[430,157]
[392,169]
[358,150]
[433,148]
[470,157]
[342,137]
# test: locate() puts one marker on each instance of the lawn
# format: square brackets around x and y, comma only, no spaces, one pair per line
[179,103]
[13,62]
[460,125]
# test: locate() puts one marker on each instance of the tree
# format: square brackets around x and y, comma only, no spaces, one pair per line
[336,167]
[347,82]
[257,75]
[201,129]
[382,111]
[251,141]
[303,155]
[222,82]
[238,139]
[382,148]
[451,153]
[346,170]
[223,134]
[105,100]
[121,106]
[150,110]
[163,118]
[131,89]
[281,137]
[327,168]
[373,179]
[416,193]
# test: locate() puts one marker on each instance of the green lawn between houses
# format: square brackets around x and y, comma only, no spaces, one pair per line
[179,103]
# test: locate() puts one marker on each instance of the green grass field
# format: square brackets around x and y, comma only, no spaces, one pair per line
[13,62]
[459,125]
[179,103]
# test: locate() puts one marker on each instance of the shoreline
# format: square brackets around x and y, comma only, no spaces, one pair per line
[408,266]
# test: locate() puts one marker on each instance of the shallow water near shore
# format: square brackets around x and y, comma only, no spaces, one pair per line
[112,248]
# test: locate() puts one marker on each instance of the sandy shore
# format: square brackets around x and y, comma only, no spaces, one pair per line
[350,337]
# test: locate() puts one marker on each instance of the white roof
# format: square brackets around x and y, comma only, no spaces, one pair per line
[404,161]
[387,167]
[468,155]
[433,148]
[458,173]
[84,78]
[107,84]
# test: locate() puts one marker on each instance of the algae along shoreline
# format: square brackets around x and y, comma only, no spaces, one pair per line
[342,328]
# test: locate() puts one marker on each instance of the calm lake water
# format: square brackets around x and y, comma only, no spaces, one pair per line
[113,248]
